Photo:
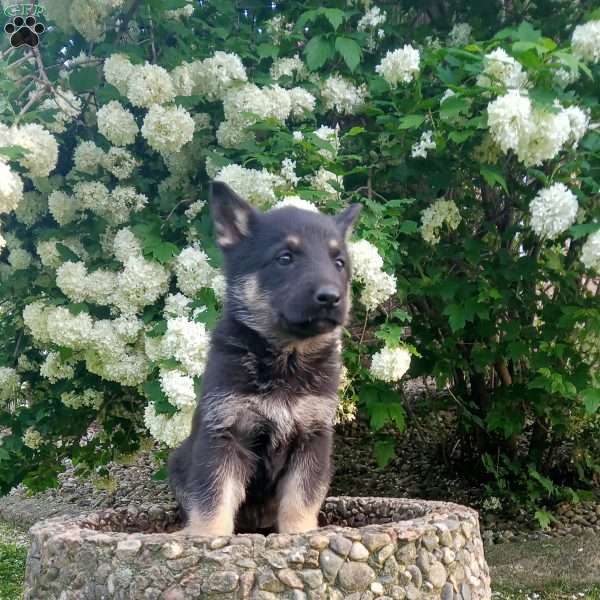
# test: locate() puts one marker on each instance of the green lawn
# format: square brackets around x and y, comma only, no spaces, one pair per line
[12,563]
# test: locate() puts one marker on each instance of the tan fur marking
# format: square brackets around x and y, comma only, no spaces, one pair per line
[294,514]
[334,244]
[293,241]
[223,236]
[222,521]
[241,221]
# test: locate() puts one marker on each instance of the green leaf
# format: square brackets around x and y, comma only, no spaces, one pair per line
[164,251]
[578,231]
[349,50]
[456,316]
[453,106]
[543,517]
[409,227]
[267,51]
[384,451]
[84,79]
[335,16]
[411,121]
[155,394]
[66,253]
[527,33]
[460,136]
[161,474]
[318,51]
[493,176]
[356,131]
[14,152]
[160,328]
[591,400]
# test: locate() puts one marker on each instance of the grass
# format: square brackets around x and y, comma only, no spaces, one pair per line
[554,569]
[13,551]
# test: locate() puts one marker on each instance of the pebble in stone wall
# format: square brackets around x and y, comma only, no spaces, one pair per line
[369,548]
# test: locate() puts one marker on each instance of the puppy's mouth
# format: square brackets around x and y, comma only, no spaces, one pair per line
[311,326]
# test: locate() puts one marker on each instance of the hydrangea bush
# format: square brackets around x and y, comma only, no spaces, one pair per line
[470,139]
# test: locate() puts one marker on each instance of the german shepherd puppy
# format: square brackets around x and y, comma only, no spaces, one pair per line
[258,456]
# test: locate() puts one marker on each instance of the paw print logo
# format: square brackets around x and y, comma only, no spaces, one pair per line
[24,31]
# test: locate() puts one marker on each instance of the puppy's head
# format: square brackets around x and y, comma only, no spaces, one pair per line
[287,270]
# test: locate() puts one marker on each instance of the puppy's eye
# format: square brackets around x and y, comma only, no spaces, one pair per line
[285,259]
[340,263]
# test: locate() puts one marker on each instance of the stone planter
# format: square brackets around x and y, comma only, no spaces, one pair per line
[367,548]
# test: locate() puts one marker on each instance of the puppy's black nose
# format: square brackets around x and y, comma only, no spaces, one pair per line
[327,296]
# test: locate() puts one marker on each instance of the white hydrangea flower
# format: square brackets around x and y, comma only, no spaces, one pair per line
[87,399]
[447,94]
[35,317]
[214,76]
[167,129]
[565,76]
[32,438]
[19,259]
[122,201]
[128,367]
[297,136]
[302,102]
[140,283]
[460,34]
[289,67]
[63,208]
[332,136]
[548,132]
[182,79]
[10,383]
[68,106]
[126,245]
[178,14]
[32,207]
[100,286]
[367,268]
[187,342]
[231,135]
[118,71]
[255,186]
[498,66]
[399,66]
[120,162]
[585,42]
[194,209]
[296,202]
[277,27]
[553,211]
[509,119]
[324,181]
[11,189]
[342,95]
[41,148]
[90,17]
[372,19]
[148,85]
[425,143]
[170,430]
[87,157]
[193,270]
[67,329]
[117,124]
[178,387]
[49,254]
[579,121]
[435,216]
[176,305]
[54,368]
[288,171]
[590,253]
[390,364]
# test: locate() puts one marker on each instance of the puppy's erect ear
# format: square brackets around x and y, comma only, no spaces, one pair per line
[346,219]
[232,215]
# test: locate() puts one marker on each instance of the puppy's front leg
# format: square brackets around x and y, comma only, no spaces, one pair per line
[305,484]
[216,487]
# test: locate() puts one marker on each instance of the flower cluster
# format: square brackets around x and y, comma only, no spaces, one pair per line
[292,67]
[499,67]
[343,96]
[460,34]
[586,41]
[371,22]
[535,134]
[32,438]
[367,268]
[117,124]
[170,430]
[54,368]
[296,202]
[553,211]
[67,106]
[255,186]
[194,272]
[399,66]
[89,398]
[435,216]
[9,384]
[425,143]
[390,364]
[40,150]
[167,129]
[590,253]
